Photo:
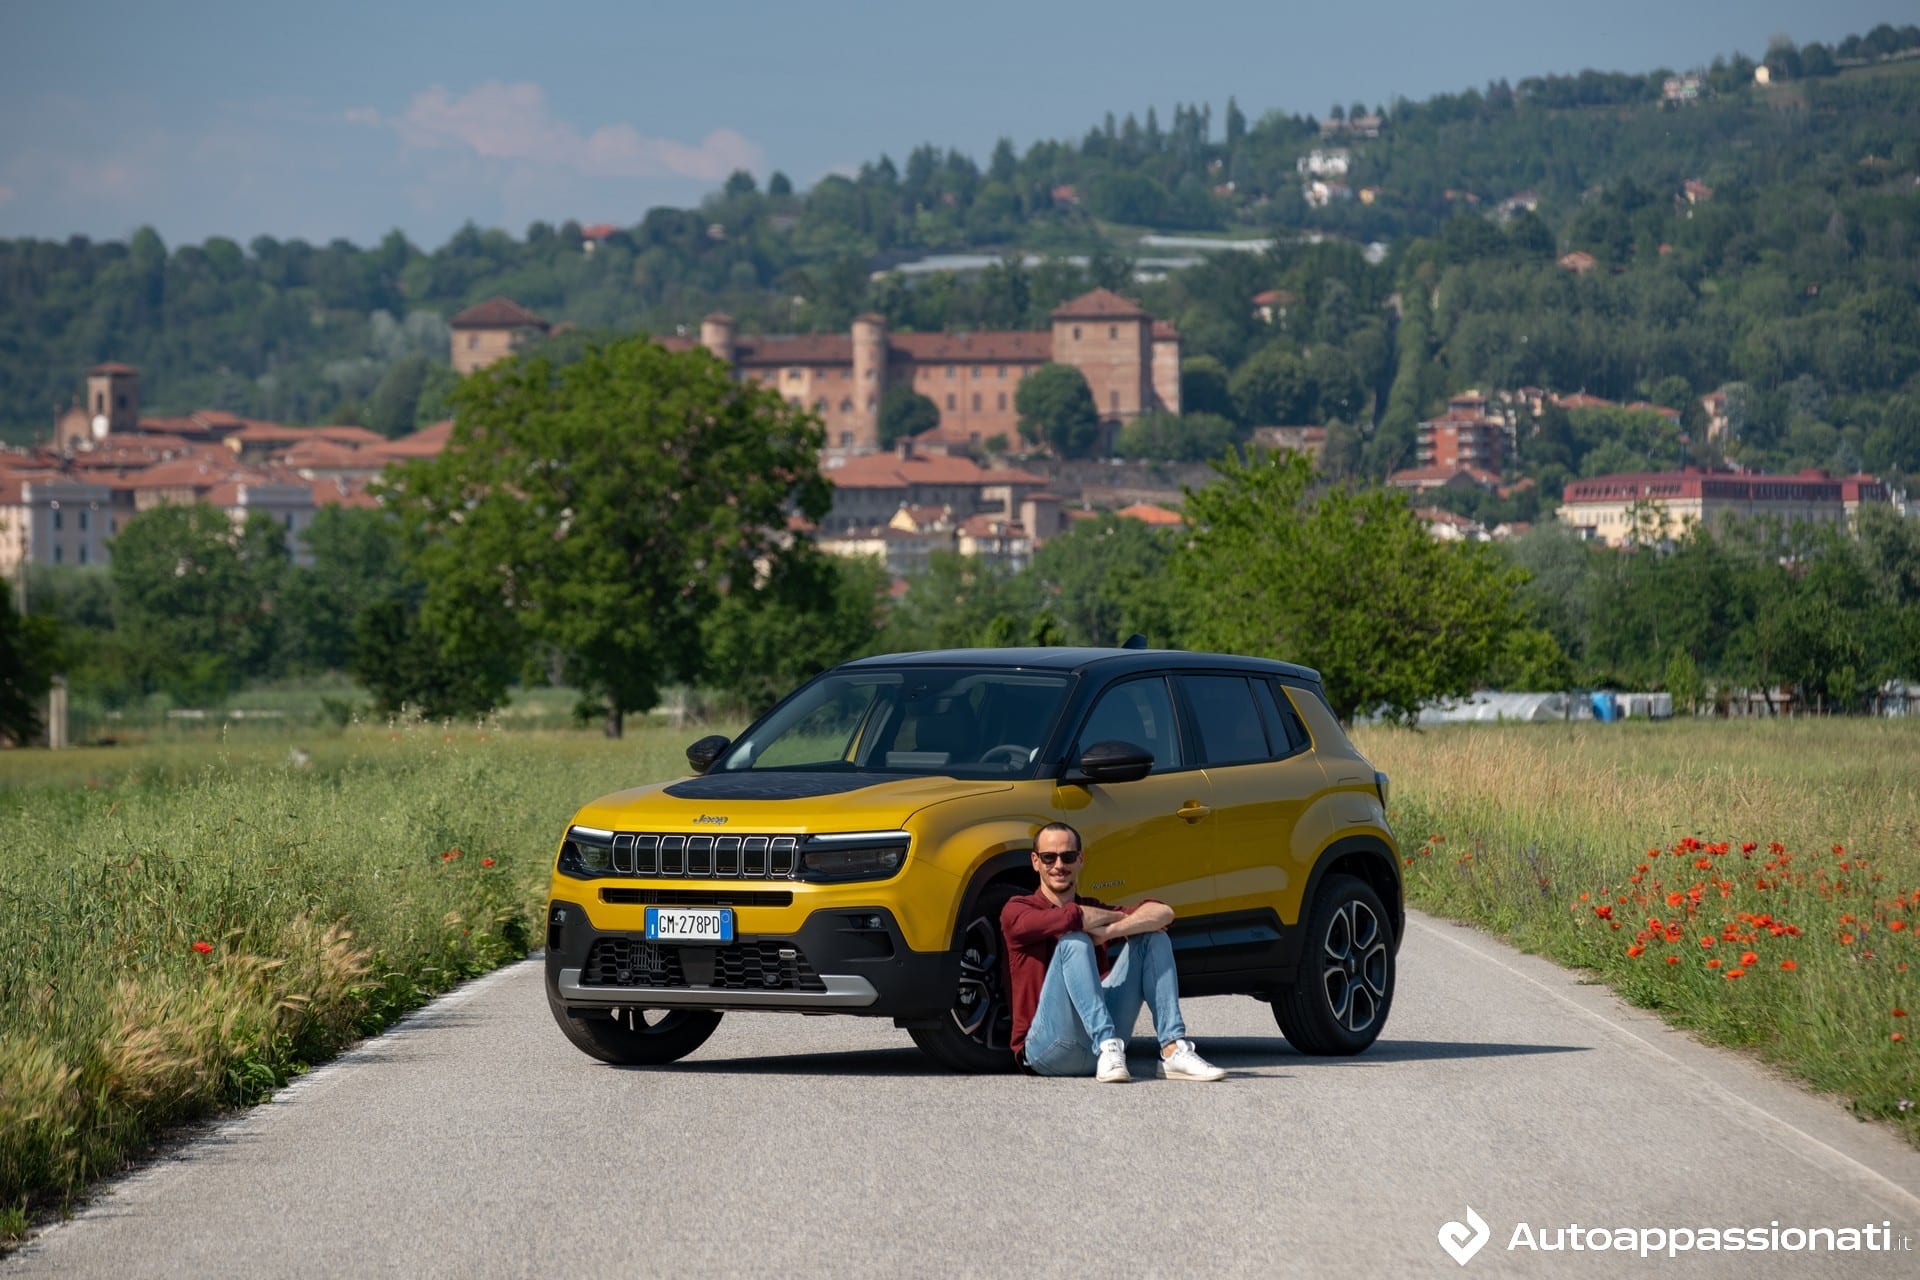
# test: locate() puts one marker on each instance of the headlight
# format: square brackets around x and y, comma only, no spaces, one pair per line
[853,855]
[587,852]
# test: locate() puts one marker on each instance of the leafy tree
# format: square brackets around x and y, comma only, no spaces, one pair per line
[1203,387]
[1107,579]
[905,413]
[1056,405]
[1344,581]
[605,508]
[811,611]
[201,595]
[407,664]
[958,602]
[1167,437]
[396,400]
[357,556]
[29,655]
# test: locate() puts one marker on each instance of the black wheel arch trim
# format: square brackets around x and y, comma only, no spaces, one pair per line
[1378,858]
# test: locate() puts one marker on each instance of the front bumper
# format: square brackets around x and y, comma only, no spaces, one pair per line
[840,960]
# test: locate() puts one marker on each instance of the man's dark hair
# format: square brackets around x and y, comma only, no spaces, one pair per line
[1060,826]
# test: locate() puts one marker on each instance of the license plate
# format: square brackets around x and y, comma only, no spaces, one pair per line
[689,924]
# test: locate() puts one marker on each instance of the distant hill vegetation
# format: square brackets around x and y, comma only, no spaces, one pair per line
[1765,235]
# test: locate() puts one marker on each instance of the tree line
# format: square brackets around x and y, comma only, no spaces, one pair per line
[625,522]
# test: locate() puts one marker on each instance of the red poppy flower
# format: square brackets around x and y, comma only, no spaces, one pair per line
[1636,950]
[1896,925]
[1731,974]
[1714,963]
[1747,846]
[1673,959]
[1707,941]
[1749,958]
[1675,898]
[203,947]
[1789,965]
[1897,1013]
[1604,911]
[486,862]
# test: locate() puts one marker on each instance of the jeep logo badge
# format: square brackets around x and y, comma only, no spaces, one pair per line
[710,820]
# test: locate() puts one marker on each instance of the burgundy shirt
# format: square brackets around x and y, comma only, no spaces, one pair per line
[1032,926]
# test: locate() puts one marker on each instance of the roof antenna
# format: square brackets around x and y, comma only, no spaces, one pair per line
[1135,641]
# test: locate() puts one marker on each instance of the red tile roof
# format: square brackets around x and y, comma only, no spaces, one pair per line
[597,231]
[890,471]
[1149,513]
[802,348]
[993,347]
[497,313]
[114,366]
[1099,304]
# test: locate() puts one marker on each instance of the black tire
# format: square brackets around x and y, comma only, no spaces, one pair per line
[1344,989]
[635,1037]
[976,1034]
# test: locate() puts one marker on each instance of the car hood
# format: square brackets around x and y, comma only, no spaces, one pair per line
[778,803]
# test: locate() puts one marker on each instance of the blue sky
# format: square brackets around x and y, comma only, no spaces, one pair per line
[213,117]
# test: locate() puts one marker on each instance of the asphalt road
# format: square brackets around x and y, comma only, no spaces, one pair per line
[473,1141]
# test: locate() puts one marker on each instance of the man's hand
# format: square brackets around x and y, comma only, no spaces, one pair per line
[1092,918]
[1148,917]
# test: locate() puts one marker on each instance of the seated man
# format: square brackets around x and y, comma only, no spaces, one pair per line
[1074,998]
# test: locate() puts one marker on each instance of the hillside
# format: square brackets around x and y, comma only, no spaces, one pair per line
[1790,265]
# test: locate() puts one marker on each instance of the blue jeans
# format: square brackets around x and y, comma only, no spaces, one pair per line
[1079,1009]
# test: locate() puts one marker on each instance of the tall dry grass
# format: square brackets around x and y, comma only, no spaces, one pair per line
[1758,882]
[189,925]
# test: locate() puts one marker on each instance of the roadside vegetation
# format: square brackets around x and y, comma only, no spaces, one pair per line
[194,921]
[1758,883]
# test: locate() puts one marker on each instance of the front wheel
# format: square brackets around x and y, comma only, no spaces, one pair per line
[976,1034]
[635,1037]
[1339,999]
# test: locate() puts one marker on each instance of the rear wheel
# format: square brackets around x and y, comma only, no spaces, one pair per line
[635,1037]
[1339,1000]
[976,1034]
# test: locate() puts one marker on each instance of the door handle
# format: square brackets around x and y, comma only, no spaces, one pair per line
[1193,811]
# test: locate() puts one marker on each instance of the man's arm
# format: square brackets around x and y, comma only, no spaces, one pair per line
[1148,917]
[1026,926]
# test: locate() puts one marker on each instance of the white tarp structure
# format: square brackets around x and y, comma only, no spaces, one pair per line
[1544,708]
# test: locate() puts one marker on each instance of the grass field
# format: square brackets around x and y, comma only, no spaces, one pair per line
[195,918]
[1758,881]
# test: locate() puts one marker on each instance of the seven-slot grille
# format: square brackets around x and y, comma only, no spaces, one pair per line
[746,857]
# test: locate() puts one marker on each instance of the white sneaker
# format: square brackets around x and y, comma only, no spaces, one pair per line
[1113,1063]
[1185,1063]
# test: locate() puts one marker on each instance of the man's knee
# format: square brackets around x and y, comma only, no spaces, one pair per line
[1073,944]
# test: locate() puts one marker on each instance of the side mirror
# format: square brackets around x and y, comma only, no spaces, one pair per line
[1115,761]
[703,753]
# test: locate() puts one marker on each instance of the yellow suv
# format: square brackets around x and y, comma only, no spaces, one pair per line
[850,852]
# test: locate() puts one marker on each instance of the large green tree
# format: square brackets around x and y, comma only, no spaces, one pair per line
[1345,581]
[605,508]
[905,413]
[202,596]
[1107,579]
[1056,405]
[29,652]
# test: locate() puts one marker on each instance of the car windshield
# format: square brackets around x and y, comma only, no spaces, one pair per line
[945,721]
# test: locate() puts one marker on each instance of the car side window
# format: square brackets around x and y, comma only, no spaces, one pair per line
[1230,727]
[1283,722]
[1140,712]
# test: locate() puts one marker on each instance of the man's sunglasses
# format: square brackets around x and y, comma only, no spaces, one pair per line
[1067,858]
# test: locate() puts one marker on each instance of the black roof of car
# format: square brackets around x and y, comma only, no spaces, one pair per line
[1067,659]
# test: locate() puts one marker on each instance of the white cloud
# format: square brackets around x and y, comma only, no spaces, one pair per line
[363,115]
[6,194]
[512,123]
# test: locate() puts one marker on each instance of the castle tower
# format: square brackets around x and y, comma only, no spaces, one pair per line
[716,335]
[490,331]
[869,379]
[1110,340]
[113,400]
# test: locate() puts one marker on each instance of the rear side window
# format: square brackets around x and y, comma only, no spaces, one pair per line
[1140,712]
[1283,722]
[1231,731]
